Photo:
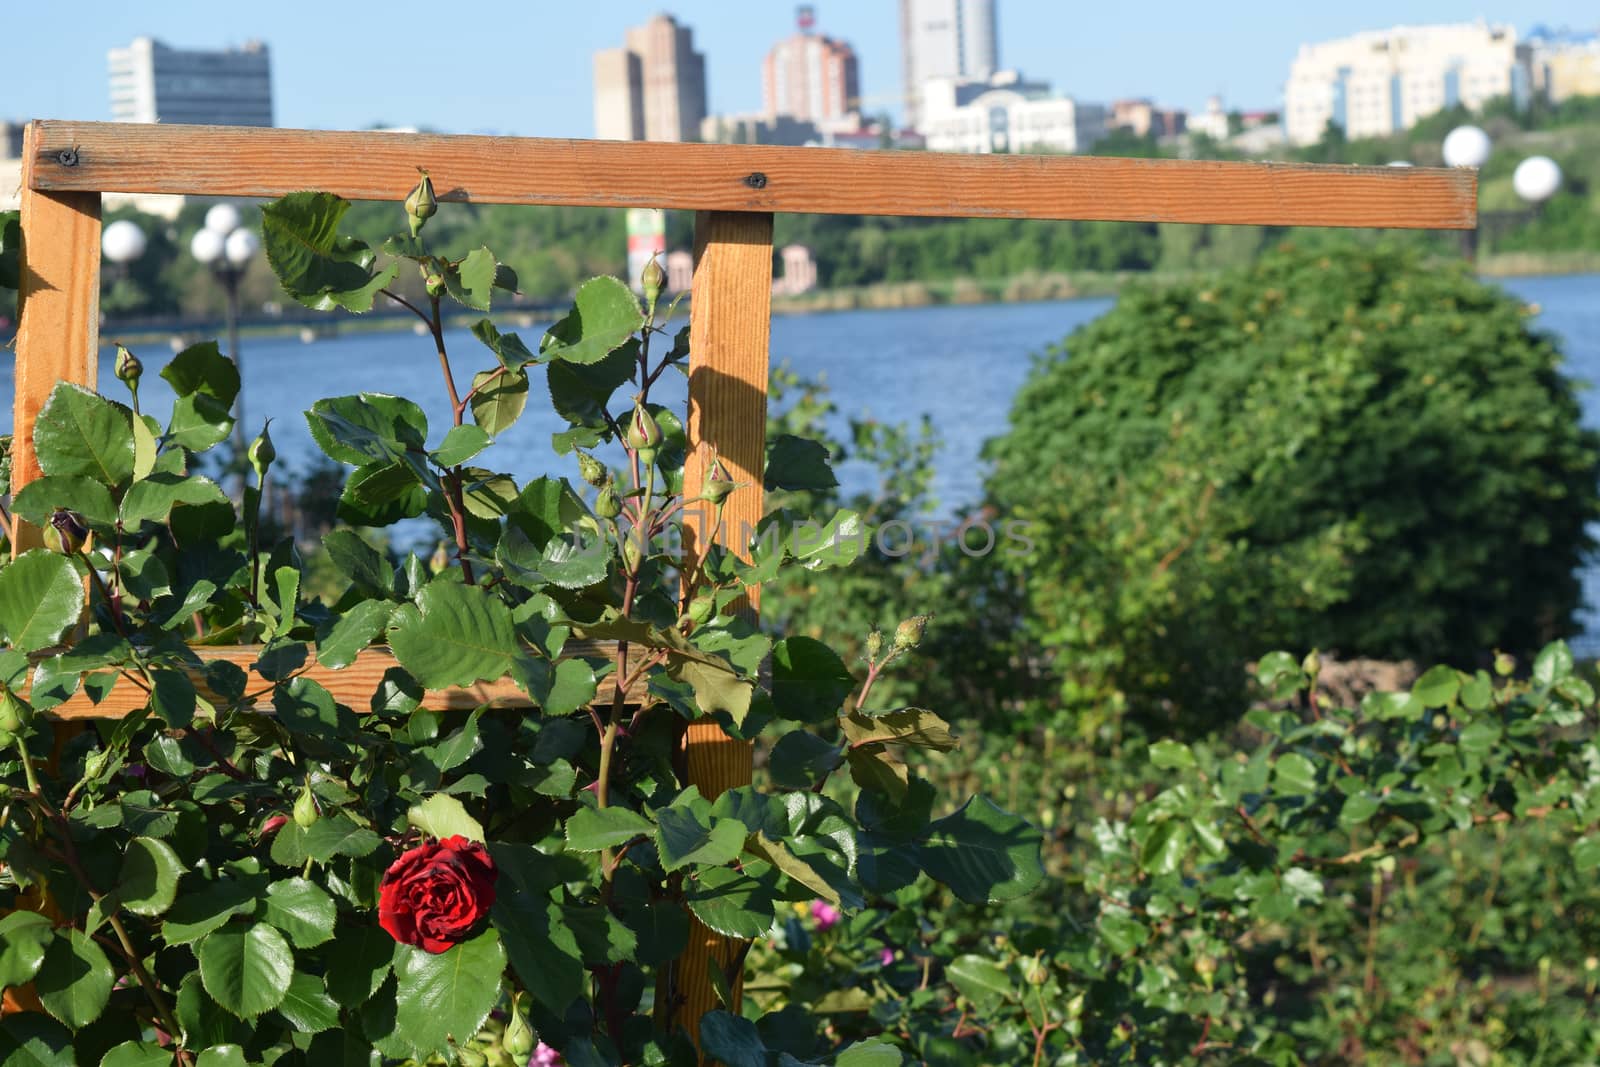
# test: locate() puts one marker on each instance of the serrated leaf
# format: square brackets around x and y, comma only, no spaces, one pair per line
[78,432]
[593,829]
[442,815]
[684,837]
[40,498]
[799,464]
[246,969]
[74,982]
[454,635]
[23,937]
[354,631]
[461,444]
[358,963]
[472,280]
[445,997]
[981,982]
[1294,774]
[809,680]
[733,903]
[40,596]
[1437,687]
[507,347]
[203,369]
[29,1039]
[604,315]
[498,400]
[1168,755]
[916,727]
[983,853]
[307,1005]
[315,265]
[302,910]
[148,883]
[138,1054]
[360,562]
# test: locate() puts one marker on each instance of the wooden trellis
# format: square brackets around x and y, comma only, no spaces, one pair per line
[735,190]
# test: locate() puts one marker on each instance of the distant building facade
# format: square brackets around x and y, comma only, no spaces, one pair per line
[943,39]
[1007,114]
[1566,65]
[1382,82]
[811,77]
[151,82]
[1144,119]
[11,139]
[758,129]
[653,88]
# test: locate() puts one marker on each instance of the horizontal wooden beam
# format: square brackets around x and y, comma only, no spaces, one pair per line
[254,162]
[352,686]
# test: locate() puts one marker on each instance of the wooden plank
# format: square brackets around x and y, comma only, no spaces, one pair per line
[729,331]
[58,328]
[240,161]
[352,686]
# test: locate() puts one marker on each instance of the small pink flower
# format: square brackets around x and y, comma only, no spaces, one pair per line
[886,957]
[826,914]
[545,1056]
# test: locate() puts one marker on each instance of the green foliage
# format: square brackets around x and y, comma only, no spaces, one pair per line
[1345,451]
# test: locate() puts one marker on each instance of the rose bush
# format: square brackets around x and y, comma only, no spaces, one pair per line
[286,853]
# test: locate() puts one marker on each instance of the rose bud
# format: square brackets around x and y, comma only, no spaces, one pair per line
[305,809]
[519,1039]
[592,470]
[908,634]
[421,204]
[262,452]
[434,283]
[70,532]
[874,644]
[14,712]
[651,279]
[606,505]
[437,895]
[439,562]
[716,490]
[644,434]
[129,369]
[703,607]
[272,825]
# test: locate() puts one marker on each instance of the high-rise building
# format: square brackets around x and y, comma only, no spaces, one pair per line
[1566,64]
[151,82]
[945,39]
[1381,82]
[653,88]
[1006,113]
[810,77]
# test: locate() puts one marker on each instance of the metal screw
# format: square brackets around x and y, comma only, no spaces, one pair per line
[756,180]
[67,157]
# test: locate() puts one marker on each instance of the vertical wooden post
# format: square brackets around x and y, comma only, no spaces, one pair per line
[58,328]
[729,330]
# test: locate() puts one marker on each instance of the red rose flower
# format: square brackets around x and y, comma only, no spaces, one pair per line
[436,895]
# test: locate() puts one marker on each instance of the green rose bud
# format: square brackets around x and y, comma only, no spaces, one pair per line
[262,452]
[67,531]
[606,505]
[644,434]
[908,634]
[434,284]
[1312,664]
[7,738]
[703,607]
[716,490]
[468,1056]
[633,553]
[592,470]
[1504,664]
[440,560]
[129,369]
[651,281]
[305,809]
[14,712]
[421,204]
[519,1038]
[874,644]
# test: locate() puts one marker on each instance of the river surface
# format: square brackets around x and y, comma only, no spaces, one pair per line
[960,366]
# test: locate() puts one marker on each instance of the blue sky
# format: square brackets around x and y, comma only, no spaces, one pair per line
[524,68]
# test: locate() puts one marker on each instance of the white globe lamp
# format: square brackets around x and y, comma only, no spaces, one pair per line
[1466,146]
[123,242]
[207,245]
[1537,179]
[223,219]
[241,246]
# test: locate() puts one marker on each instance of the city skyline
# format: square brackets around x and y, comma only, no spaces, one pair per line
[321,80]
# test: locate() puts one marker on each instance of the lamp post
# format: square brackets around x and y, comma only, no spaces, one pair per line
[123,242]
[224,245]
[1535,180]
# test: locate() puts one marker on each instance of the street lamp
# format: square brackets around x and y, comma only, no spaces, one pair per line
[224,245]
[1537,179]
[123,242]
[1466,146]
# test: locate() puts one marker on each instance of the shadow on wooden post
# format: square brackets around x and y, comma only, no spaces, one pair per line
[729,332]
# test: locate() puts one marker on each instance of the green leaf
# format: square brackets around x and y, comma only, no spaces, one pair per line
[461,444]
[507,347]
[498,400]
[354,631]
[809,680]
[873,1052]
[40,498]
[984,854]
[338,835]
[74,982]
[370,428]
[1165,848]
[307,1005]
[472,280]
[733,903]
[360,562]
[23,937]
[580,392]
[1358,808]
[246,969]
[199,912]
[203,369]
[1122,933]
[40,596]
[981,982]
[800,760]
[1585,854]
[301,909]
[80,433]
[1295,775]
[315,265]
[604,315]
[454,635]
[1553,663]
[28,1039]
[148,883]
[1437,687]
[445,997]
[776,853]
[543,951]
[198,422]
[1168,755]
[138,1054]
[593,829]
[732,1040]
[442,815]
[222,1056]
[358,963]
[684,837]
[799,464]
[153,498]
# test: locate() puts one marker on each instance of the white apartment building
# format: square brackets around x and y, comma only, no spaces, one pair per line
[945,39]
[1006,114]
[1381,82]
[151,82]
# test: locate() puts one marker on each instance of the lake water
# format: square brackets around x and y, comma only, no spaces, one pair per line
[959,365]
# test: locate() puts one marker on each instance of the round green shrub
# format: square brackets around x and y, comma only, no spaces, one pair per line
[1355,449]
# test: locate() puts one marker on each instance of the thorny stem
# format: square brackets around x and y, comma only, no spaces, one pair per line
[452,476]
